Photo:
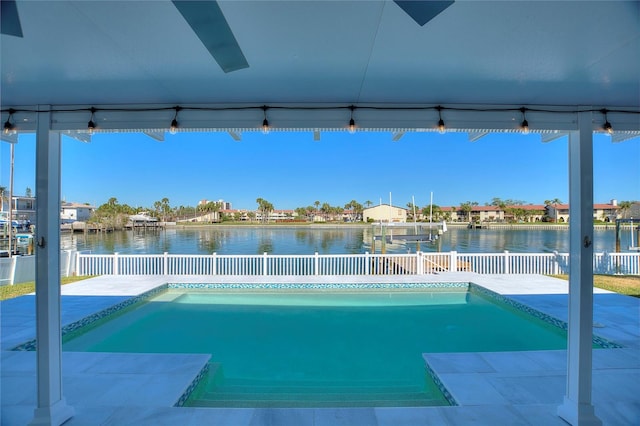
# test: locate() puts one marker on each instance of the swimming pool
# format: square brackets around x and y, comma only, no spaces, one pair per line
[285,348]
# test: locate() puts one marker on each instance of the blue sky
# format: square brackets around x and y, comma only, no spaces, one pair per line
[291,170]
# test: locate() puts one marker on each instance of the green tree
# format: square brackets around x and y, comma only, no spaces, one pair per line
[467,207]
[112,215]
[165,208]
[311,213]
[302,212]
[338,213]
[356,209]
[498,203]
[326,210]
[27,192]
[264,207]
[434,211]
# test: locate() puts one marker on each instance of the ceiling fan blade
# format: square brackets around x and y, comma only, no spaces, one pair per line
[208,22]
[10,23]
[423,11]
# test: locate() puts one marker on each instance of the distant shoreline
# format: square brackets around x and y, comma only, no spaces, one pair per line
[490,226]
[270,225]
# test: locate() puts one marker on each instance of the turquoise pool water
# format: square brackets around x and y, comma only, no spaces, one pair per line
[315,349]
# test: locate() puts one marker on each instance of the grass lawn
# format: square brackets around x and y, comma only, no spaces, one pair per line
[623,284]
[11,291]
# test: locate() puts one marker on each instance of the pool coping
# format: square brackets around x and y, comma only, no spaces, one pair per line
[515,409]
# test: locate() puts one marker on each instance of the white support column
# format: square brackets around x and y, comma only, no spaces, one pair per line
[577,408]
[52,408]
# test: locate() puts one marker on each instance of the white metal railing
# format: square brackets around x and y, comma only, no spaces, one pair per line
[22,268]
[349,264]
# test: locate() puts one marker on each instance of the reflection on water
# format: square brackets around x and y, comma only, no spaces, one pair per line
[349,240]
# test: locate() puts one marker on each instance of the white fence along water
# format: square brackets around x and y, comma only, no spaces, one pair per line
[22,268]
[349,264]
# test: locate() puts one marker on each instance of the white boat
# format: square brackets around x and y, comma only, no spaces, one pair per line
[142,217]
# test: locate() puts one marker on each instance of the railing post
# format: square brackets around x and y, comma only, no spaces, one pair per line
[214,266]
[367,265]
[14,264]
[264,264]
[419,263]
[316,263]
[453,262]
[114,270]
[78,265]
[506,262]
[67,263]
[165,264]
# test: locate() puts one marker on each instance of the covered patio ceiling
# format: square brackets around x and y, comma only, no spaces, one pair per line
[473,55]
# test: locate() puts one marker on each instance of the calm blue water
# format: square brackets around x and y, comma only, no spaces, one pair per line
[298,240]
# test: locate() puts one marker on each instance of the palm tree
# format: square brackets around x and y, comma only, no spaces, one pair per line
[434,211]
[325,209]
[368,203]
[467,207]
[264,207]
[165,208]
[357,210]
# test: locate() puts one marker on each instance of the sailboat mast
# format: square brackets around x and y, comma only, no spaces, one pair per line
[415,224]
[430,214]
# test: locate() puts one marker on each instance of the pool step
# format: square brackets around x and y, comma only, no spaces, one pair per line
[292,403]
[318,395]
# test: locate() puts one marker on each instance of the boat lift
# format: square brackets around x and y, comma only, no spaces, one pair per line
[406,232]
[633,245]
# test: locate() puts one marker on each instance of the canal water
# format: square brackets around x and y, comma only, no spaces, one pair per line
[326,240]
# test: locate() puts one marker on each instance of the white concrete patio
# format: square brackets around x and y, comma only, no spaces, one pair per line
[492,388]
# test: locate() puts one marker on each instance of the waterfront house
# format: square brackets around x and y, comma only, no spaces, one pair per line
[384,213]
[24,208]
[525,213]
[72,212]
[515,213]
[606,212]
[277,215]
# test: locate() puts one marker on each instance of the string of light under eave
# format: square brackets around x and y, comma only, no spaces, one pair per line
[10,126]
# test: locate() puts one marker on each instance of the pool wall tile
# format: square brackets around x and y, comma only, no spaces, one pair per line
[443,389]
[316,286]
[187,393]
